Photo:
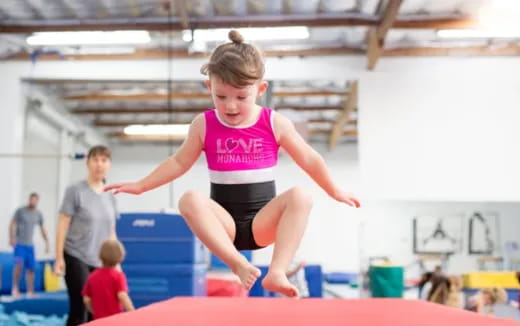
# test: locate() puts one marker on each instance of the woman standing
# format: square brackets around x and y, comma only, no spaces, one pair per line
[87,218]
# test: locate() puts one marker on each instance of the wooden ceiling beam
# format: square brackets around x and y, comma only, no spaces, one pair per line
[135,122]
[190,96]
[116,123]
[377,34]
[152,54]
[318,20]
[327,132]
[138,97]
[434,51]
[194,110]
[164,138]
[122,135]
[87,111]
[350,105]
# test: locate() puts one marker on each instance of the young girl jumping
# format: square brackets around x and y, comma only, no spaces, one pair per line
[241,142]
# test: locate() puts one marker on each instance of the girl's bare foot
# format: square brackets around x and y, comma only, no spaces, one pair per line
[278,282]
[247,273]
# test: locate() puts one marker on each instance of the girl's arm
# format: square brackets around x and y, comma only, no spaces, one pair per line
[88,303]
[173,167]
[309,160]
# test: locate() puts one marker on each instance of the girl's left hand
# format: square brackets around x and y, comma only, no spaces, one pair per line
[347,198]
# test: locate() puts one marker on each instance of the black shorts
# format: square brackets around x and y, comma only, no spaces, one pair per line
[242,202]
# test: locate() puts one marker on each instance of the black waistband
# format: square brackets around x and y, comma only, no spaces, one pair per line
[243,193]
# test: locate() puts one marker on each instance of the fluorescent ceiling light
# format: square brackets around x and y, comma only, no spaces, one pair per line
[98,50]
[86,38]
[187,35]
[250,34]
[171,129]
[476,33]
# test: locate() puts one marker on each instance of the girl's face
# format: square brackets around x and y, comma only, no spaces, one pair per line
[235,105]
[98,166]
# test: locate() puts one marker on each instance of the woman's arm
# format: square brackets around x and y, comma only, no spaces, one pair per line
[309,160]
[173,167]
[61,232]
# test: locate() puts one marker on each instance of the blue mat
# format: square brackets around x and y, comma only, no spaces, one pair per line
[23,319]
[313,275]
[45,303]
[341,278]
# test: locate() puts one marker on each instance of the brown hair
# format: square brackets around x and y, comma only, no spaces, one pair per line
[440,289]
[111,253]
[236,63]
[99,150]
[496,294]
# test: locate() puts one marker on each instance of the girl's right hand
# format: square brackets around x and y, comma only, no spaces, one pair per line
[126,187]
[59,267]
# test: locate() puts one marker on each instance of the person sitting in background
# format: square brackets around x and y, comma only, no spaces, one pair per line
[454,294]
[425,285]
[484,301]
[516,304]
[106,291]
[440,289]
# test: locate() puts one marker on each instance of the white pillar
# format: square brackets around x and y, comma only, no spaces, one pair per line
[11,141]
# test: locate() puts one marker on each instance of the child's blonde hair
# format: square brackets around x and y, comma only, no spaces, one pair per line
[496,295]
[236,63]
[111,253]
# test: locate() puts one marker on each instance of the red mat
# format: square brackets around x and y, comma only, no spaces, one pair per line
[287,312]
[225,288]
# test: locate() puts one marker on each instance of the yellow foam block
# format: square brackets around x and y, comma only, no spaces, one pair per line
[50,281]
[480,280]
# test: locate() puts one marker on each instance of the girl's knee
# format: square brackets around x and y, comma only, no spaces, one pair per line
[300,196]
[189,200]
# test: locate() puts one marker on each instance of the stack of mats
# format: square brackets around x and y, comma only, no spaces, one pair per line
[163,257]
[45,303]
[475,281]
[309,312]
[6,274]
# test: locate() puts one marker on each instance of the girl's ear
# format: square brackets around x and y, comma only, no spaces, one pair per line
[262,87]
[208,84]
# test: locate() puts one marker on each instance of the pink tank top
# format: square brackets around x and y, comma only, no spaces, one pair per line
[238,155]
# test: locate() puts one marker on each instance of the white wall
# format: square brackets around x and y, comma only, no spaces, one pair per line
[39,174]
[131,163]
[441,129]
[387,229]
[11,141]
